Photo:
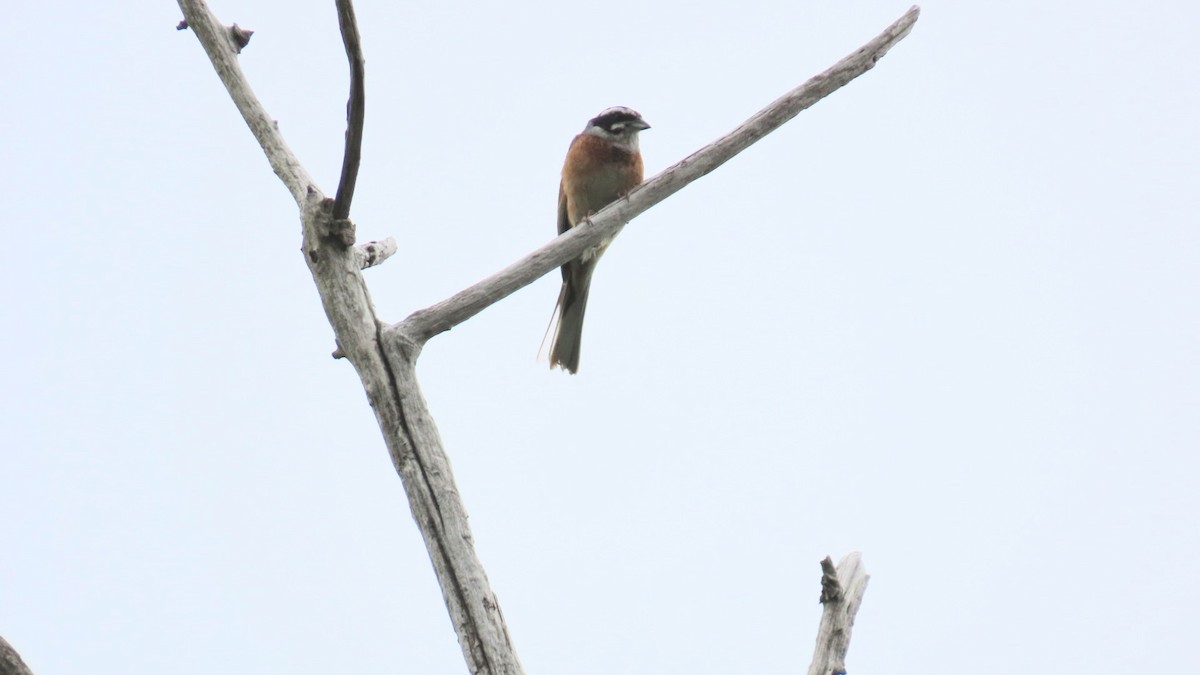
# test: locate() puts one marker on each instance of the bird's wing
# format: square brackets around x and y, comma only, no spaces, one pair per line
[564,223]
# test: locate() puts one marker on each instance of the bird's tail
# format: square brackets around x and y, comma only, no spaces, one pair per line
[567,322]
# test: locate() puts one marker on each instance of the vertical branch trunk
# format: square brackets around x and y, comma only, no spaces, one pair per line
[385,362]
[476,614]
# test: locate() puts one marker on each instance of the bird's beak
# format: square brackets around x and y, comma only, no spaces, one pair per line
[641,125]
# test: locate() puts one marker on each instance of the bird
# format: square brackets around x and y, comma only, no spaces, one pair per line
[603,163]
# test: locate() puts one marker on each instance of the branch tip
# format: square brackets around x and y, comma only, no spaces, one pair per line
[374,253]
[831,589]
[842,589]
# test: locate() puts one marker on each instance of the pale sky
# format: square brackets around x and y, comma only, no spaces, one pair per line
[947,318]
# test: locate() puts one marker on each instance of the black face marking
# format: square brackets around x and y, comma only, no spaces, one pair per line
[615,121]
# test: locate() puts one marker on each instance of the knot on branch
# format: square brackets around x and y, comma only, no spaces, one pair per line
[240,37]
[331,230]
[341,231]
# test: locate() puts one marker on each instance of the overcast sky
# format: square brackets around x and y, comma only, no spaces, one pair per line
[947,317]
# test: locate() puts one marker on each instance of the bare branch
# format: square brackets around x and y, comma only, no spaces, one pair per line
[222,51]
[841,593]
[374,253]
[388,377]
[424,324]
[386,360]
[10,660]
[387,371]
[355,110]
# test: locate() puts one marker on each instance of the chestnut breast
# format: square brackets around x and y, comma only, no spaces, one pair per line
[595,173]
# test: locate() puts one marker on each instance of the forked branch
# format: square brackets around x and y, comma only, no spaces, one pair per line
[385,359]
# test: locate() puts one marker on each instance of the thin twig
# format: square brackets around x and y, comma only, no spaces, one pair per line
[424,324]
[355,110]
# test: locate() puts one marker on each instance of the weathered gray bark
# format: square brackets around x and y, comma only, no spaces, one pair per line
[10,660]
[447,314]
[842,592]
[385,355]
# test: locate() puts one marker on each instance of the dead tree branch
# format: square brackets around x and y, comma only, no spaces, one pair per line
[425,323]
[842,592]
[389,379]
[385,359]
[222,51]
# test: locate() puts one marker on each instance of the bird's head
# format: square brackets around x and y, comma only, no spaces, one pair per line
[619,125]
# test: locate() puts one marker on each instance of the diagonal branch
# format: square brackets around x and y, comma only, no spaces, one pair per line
[425,323]
[222,51]
[355,110]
